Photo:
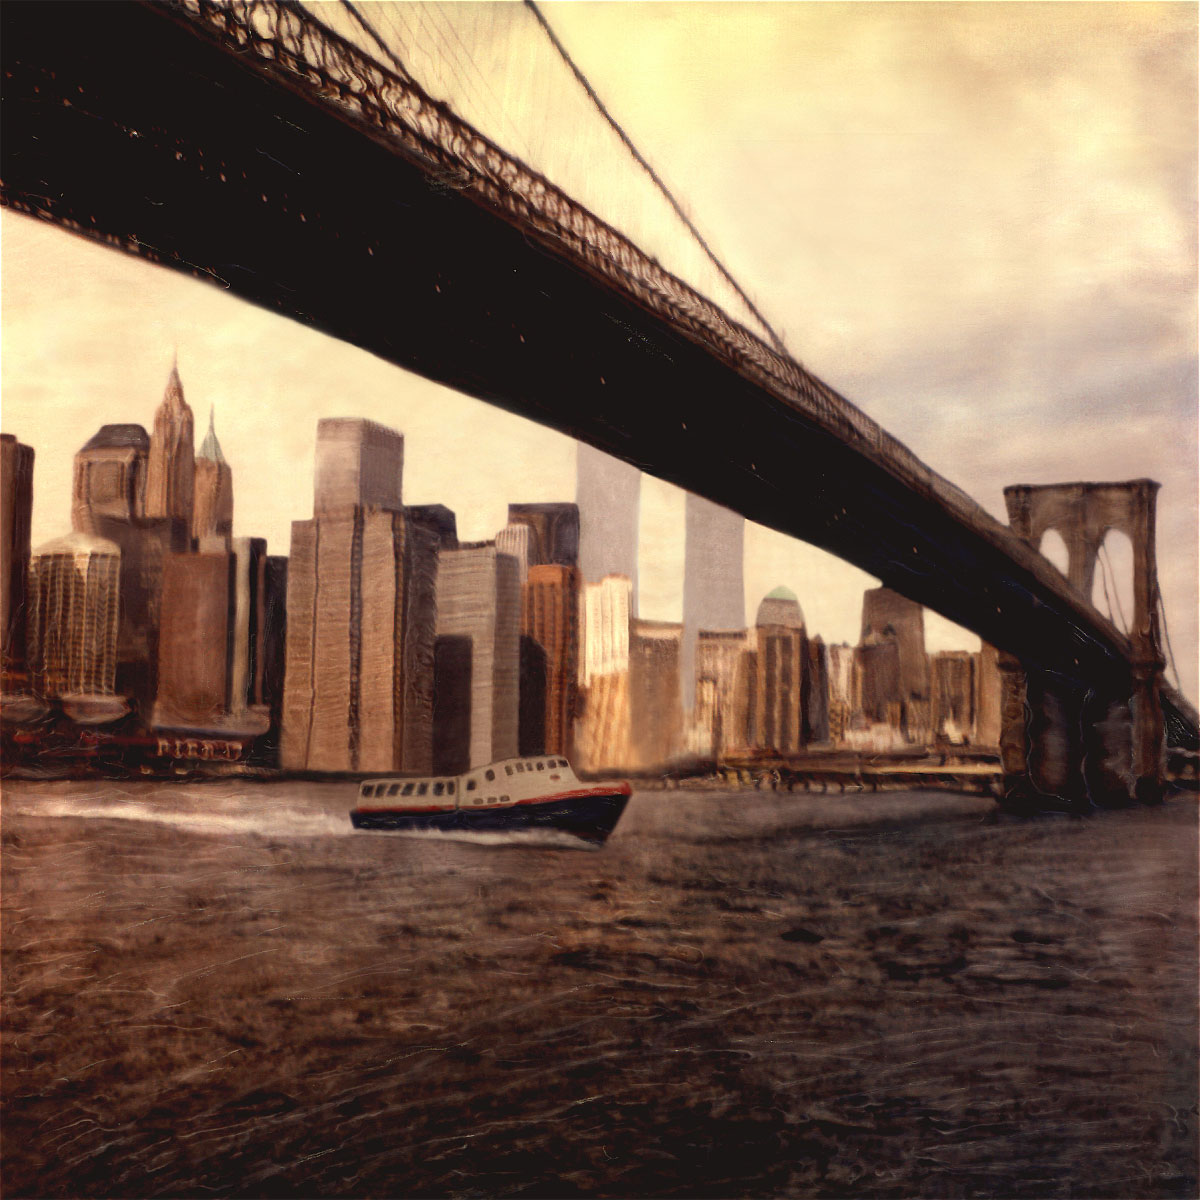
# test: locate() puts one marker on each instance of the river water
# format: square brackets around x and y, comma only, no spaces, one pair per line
[222,989]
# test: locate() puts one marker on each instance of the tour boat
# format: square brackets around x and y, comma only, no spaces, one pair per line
[538,792]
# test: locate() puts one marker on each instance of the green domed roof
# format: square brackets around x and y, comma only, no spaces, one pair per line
[780,607]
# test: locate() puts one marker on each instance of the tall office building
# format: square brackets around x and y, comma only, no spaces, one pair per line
[110,477]
[74,586]
[16,511]
[782,661]
[554,530]
[212,505]
[439,520]
[891,619]
[655,715]
[516,541]
[212,639]
[108,500]
[607,492]
[723,713]
[713,592]
[602,729]
[195,645]
[816,693]
[360,464]
[952,683]
[550,619]
[361,596]
[170,469]
[478,657]
[844,690]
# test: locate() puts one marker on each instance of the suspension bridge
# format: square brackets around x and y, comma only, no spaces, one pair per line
[361,168]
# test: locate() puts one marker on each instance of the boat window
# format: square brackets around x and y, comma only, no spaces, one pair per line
[471,785]
[490,774]
[422,788]
[450,788]
[503,799]
[508,770]
[394,790]
[521,767]
[437,789]
[541,765]
[477,800]
[408,790]
[529,766]
[562,762]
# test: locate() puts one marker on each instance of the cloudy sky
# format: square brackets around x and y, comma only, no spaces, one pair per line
[977,221]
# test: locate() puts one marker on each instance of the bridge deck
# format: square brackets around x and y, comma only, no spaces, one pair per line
[305,193]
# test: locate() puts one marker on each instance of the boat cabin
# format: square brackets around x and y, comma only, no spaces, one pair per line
[509,781]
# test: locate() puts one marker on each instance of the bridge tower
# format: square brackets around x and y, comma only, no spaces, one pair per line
[1102,741]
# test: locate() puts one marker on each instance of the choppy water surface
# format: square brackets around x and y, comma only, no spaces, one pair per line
[222,989]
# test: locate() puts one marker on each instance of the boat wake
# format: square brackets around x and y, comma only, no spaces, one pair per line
[274,823]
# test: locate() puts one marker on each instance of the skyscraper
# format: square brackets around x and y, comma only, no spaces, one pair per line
[655,726]
[713,594]
[361,600]
[607,493]
[516,541]
[602,731]
[108,500]
[782,660]
[195,643]
[890,619]
[16,510]
[952,682]
[550,617]
[212,506]
[73,597]
[723,714]
[110,477]
[170,469]
[554,529]
[479,614]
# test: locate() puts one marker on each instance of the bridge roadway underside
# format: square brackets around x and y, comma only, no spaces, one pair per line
[120,122]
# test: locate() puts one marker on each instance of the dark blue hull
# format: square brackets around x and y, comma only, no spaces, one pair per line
[590,816]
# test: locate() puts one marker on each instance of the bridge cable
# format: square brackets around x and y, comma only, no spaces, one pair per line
[1103,554]
[662,187]
[1162,609]
[1104,584]
[371,32]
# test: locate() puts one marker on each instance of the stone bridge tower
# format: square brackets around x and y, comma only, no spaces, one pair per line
[1104,742]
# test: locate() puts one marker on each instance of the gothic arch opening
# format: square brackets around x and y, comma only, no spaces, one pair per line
[1112,586]
[1055,549]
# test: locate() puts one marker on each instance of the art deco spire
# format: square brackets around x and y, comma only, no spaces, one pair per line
[210,448]
[172,456]
[212,512]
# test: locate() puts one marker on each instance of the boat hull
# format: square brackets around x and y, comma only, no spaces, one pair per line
[590,815]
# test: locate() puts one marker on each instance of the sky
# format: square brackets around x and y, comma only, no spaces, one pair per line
[977,221]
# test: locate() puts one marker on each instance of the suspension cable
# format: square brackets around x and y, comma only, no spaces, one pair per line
[1162,611]
[1107,562]
[1104,584]
[662,187]
[352,8]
